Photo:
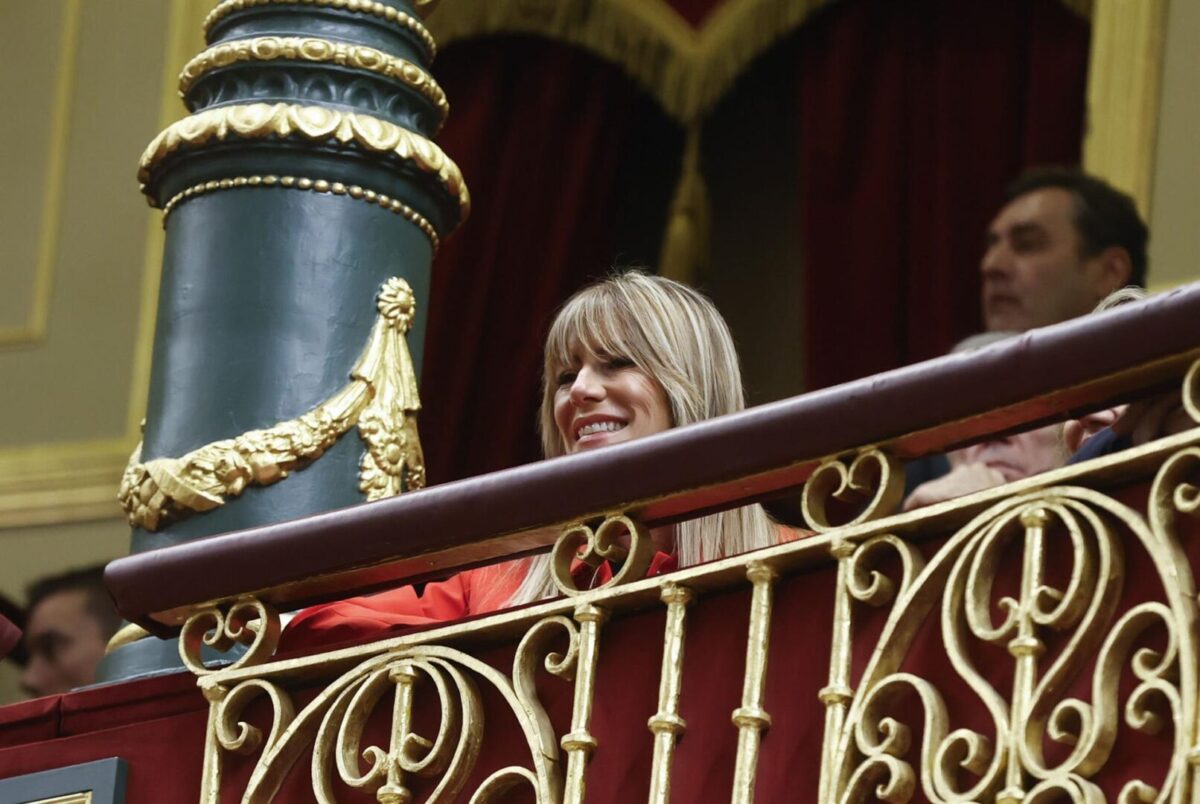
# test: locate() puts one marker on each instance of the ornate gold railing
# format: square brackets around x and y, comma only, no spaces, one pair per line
[1033,642]
[1057,617]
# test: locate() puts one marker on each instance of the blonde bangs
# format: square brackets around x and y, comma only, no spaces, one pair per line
[599,322]
[595,323]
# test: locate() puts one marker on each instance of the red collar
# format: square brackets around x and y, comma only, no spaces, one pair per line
[588,577]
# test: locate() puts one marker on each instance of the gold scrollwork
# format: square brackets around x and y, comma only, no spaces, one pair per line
[248,621]
[313,49]
[381,399]
[315,123]
[601,545]
[1191,392]
[874,587]
[1052,625]
[381,10]
[873,484]
[333,723]
[454,747]
[125,635]
[858,579]
[310,185]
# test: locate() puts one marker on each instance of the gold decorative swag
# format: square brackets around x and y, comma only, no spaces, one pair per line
[381,400]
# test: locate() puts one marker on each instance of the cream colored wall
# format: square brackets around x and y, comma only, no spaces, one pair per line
[1175,230]
[1142,109]
[90,81]
[35,551]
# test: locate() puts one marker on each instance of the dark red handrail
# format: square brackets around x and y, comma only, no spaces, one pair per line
[1045,374]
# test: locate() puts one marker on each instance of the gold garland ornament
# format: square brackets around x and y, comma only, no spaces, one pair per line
[381,400]
[258,121]
[312,49]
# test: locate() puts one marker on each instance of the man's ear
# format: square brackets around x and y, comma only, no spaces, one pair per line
[1113,269]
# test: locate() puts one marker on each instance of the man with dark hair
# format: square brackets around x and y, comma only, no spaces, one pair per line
[1064,241]
[70,621]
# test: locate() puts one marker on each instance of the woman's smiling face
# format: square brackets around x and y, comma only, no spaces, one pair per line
[603,399]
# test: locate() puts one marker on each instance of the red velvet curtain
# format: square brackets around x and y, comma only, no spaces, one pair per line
[546,136]
[913,118]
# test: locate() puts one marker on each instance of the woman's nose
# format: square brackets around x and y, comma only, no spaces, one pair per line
[588,387]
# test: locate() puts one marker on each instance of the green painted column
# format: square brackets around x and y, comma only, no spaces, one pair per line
[304,179]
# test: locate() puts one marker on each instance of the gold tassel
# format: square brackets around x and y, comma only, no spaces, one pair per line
[686,245]
[394,461]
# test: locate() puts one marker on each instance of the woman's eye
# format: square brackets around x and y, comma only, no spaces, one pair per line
[566,377]
[616,363]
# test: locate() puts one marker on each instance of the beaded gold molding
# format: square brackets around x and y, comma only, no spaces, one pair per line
[313,49]
[361,6]
[316,123]
[313,185]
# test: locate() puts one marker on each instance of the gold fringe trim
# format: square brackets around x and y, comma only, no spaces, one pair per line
[686,70]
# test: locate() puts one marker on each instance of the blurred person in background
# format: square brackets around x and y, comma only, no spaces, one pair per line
[1063,242]
[998,460]
[70,620]
[992,463]
[1102,432]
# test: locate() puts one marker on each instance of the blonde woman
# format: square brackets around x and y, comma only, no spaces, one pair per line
[625,358]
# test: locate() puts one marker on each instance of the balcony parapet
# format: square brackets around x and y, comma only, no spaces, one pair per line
[1037,641]
[1044,375]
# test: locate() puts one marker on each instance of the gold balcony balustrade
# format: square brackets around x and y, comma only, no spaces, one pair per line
[1032,642]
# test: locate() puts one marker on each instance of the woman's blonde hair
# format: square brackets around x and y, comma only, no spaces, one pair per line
[676,336]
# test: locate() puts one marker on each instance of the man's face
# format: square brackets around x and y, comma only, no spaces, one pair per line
[1017,456]
[1034,273]
[65,644]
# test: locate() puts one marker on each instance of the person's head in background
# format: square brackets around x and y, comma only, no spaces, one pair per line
[1016,456]
[1013,456]
[1064,241]
[998,460]
[70,620]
